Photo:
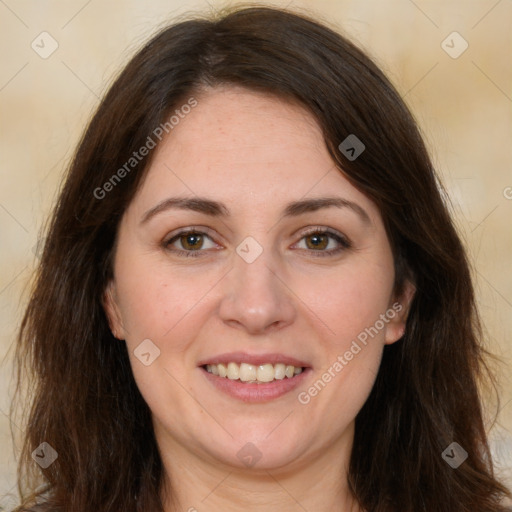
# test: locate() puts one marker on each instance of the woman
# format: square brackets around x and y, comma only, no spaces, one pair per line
[252,295]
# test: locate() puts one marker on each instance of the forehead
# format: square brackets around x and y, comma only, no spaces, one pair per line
[244,148]
[237,128]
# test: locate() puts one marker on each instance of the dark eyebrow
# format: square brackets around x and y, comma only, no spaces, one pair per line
[216,209]
[196,204]
[311,205]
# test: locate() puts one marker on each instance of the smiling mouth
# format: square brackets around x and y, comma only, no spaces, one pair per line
[251,374]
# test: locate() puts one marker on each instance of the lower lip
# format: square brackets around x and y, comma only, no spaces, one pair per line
[254,392]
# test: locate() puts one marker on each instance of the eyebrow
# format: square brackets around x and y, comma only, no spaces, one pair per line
[217,209]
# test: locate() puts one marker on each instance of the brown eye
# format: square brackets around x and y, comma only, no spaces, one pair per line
[317,241]
[191,241]
[324,243]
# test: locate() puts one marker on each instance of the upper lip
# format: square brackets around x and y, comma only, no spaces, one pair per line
[254,359]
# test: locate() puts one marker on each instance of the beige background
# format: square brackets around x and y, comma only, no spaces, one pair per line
[462,104]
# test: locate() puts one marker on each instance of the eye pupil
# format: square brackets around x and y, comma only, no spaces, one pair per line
[317,241]
[191,241]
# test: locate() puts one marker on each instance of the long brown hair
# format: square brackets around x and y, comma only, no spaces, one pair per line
[85,402]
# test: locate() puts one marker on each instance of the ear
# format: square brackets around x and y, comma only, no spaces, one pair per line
[112,311]
[398,312]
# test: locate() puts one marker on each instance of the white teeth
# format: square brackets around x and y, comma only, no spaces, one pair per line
[233,371]
[265,373]
[247,372]
[251,373]
[223,371]
[279,370]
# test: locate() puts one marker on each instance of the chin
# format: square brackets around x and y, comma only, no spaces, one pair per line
[259,451]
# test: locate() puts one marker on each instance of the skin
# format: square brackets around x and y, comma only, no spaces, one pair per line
[255,154]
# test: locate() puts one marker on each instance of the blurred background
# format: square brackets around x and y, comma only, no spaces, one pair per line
[451,61]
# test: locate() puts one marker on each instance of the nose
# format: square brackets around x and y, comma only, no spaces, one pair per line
[255,298]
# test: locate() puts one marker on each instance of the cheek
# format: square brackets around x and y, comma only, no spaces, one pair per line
[348,306]
[156,301]
[350,355]
[161,306]
[350,301]
[347,391]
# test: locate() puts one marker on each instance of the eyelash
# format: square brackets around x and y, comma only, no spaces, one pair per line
[342,241]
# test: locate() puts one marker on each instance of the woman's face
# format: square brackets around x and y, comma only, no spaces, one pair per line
[286,267]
